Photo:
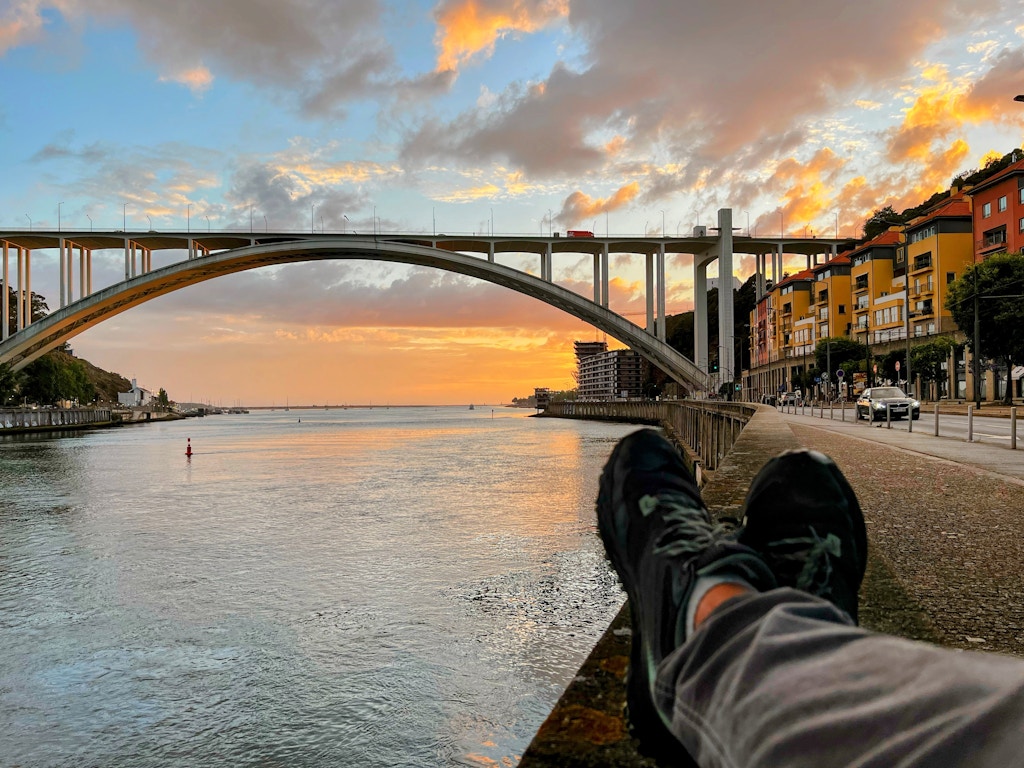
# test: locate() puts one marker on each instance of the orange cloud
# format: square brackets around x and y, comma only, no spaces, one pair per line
[580,206]
[469,27]
[196,79]
[20,23]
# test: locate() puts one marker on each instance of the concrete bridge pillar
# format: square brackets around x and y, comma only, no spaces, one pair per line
[661,293]
[597,278]
[649,292]
[490,250]
[63,272]
[23,294]
[604,277]
[545,264]
[5,300]
[726,355]
[700,314]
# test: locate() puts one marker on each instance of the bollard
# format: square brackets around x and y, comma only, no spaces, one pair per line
[970,423]
[936,419]
[888,416]
[1013,428]
[842,410]
[910,418]
[830,410]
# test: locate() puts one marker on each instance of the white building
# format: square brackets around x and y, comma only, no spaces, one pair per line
[136,396]
[613,375]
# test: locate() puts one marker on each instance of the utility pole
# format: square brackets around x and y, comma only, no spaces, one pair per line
[976,350]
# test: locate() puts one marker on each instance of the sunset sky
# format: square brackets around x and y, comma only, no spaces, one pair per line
[523,115]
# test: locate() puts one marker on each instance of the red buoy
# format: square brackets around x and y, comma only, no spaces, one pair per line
[188,448]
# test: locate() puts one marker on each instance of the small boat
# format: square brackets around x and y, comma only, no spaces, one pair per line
[472,407]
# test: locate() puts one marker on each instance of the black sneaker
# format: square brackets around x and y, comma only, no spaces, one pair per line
[659,538]
[802,517]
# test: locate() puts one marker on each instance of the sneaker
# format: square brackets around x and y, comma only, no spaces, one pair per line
[660,538]
[802,517]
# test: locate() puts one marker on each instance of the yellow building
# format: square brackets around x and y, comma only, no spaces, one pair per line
[939,246]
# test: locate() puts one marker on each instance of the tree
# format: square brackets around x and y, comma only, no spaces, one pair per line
[161,397]
[996,288]
[39,308]
[53,378]
[9,382]
[927,359]
[881,220]
[838,350]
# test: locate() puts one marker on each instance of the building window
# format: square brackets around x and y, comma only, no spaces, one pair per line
[951,276]
[923,234]
[842,309]
[1022,224]
[1002,203]
[986,210]
[1020,195]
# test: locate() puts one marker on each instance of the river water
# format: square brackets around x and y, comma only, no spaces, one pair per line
[385,587]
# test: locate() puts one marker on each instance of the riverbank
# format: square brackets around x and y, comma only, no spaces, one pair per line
[20,421]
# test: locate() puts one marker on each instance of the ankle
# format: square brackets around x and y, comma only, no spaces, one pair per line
[707,598]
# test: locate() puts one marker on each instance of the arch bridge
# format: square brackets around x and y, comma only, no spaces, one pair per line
[213,254]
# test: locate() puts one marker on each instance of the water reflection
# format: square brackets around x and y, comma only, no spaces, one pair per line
[399,587]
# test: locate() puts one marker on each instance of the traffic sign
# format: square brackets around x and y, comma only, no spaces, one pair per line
[817,379]
[839,373]
[897,365]
[824,375]
[874,368]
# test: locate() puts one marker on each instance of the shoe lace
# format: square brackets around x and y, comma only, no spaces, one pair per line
[687,529]
[813,552]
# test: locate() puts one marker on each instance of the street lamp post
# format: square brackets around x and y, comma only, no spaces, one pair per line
[29,222]
[58,215]
[90,221]
[188,218]
[207,223]
[663,232]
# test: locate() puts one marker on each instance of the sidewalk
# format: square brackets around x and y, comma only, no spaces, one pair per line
[987,456]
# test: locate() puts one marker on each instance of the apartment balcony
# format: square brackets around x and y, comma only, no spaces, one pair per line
[991,242]
[924,289]
[921,263]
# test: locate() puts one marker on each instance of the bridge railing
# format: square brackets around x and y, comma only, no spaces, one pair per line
[709,428]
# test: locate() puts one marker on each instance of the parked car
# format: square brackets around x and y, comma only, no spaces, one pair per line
[790,398]
[872,404]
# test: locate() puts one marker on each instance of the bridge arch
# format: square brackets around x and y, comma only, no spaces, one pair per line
[41,336]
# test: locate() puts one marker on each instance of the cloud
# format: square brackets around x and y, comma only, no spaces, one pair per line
[562,126]
[468,28]
[359,294]
[316,54]
[21,23]
[197,79]
[579,206]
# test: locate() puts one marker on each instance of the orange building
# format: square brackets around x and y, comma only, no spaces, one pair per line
[999,212]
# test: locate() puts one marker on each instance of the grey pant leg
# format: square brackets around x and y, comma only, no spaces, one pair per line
[783,679]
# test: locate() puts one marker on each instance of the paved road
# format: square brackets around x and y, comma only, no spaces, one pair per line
[989,452]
